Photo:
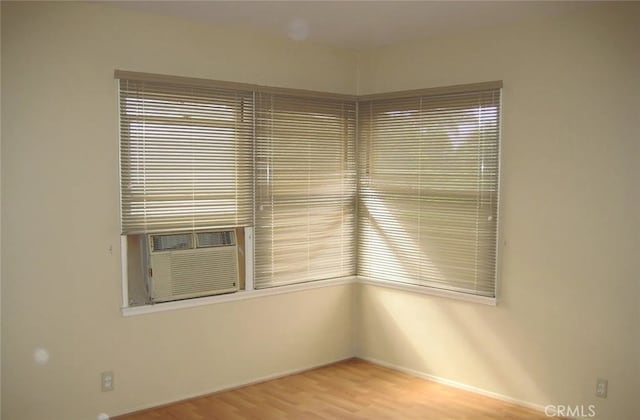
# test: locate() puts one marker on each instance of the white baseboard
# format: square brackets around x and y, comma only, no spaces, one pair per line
[412,372]
[229,387]
[455,384]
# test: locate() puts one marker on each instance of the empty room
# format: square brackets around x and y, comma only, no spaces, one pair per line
[320,210]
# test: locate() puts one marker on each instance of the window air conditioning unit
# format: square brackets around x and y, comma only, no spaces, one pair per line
[187,265]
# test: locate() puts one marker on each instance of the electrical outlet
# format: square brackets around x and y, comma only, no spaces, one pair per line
[601,387]
[107,381]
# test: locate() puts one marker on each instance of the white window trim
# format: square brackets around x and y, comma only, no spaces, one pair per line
[491,301]
[232,297]
[128,311]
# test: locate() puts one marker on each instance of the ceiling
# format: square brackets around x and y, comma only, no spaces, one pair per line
[356,24]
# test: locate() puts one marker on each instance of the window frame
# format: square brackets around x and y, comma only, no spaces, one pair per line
[367,180]
[249,291]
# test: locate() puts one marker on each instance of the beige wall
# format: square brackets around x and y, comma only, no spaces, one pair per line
[0,225]
[569,282]
[569,294]
[62,288]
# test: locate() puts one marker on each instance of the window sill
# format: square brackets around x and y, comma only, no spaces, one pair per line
[241,295]
[428,291]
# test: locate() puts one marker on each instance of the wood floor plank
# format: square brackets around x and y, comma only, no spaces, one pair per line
[349,390]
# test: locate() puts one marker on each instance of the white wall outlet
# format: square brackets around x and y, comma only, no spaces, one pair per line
[107,381]
[601,387]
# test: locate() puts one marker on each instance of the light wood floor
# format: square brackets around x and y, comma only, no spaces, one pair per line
[349,390]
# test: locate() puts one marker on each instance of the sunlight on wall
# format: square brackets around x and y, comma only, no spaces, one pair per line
[406,325]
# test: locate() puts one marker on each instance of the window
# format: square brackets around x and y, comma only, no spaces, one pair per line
[185,157]
[428,204]
[420,207]
[199,155]
[305,189]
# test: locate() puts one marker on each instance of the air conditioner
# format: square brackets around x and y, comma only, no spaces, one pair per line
[191,264]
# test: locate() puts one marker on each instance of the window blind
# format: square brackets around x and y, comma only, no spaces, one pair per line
[185,156]
[305,189]
[428,203]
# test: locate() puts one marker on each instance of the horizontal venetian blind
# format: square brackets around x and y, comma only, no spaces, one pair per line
[185,156]
[305,189]
[429,168]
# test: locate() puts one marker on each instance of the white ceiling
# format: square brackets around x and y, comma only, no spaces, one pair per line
[356,24]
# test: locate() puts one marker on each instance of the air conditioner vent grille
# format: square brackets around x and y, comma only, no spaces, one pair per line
[210,239]
[199,271]
[172,242]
